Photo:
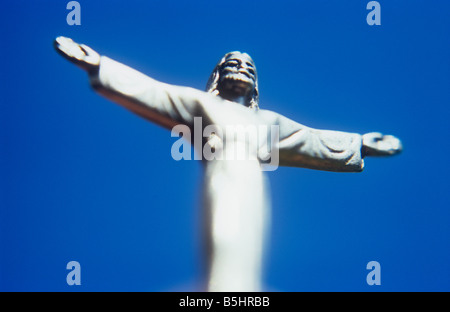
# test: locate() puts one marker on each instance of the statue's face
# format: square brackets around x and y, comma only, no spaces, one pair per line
[237,75]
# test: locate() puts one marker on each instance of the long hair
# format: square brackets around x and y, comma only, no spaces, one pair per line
[213,81]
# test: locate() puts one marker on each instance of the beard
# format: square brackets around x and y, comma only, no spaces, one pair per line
[236,84]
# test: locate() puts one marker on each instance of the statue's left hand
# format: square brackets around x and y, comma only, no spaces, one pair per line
[377,144]
[79,54]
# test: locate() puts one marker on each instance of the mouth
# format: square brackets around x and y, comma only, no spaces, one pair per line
[242,77]
[239,83]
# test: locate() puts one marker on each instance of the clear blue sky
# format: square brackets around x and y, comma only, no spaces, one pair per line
[83,179]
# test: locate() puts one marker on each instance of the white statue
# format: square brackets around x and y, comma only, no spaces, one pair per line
[236,199]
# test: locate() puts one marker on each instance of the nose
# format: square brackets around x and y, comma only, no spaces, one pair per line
[248,67]
[245,65]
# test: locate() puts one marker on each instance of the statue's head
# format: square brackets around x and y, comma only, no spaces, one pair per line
[234,77]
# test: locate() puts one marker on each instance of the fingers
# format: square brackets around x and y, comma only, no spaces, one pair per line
[373,136]
[376,144]
[68,48]
[393,145]
[79,54]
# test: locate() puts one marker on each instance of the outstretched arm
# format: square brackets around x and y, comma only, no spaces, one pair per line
[158,102]
[301,146]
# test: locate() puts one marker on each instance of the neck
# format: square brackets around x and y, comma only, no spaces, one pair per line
[241,99]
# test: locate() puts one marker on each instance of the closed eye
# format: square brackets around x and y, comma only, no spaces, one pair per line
[231,63]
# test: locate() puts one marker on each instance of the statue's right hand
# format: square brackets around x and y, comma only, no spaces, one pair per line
[79,54]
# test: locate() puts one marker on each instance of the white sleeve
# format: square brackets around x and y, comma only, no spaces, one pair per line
[301,146]
[161,103]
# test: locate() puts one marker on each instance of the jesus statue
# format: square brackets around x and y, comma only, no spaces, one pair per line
[235,196]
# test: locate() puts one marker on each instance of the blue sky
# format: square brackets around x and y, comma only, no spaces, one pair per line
[83,179]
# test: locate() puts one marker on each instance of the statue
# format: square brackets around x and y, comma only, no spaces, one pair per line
[236,201]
